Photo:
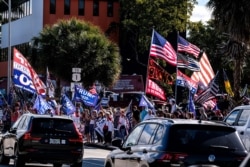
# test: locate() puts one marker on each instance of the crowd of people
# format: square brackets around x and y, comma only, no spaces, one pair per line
[108,123]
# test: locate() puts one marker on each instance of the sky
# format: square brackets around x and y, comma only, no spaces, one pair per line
[201,12]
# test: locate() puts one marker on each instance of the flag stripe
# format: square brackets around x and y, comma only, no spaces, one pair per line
[161,48]
[206,73]
[185,46]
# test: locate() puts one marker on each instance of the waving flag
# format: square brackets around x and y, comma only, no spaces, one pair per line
[67,106]
[210,92]
[206,74]
[85,96]
[41,105]
[155,90]
[191,106]
[187,62]
[155,71]
[25,76]
[227,84]
[185,81]
[185,46]
[161,48]
[144,102]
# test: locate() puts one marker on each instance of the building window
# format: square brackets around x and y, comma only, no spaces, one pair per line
[96,8]
[19,11]
[110,8]
[81,5]
[66,7]
[52,9]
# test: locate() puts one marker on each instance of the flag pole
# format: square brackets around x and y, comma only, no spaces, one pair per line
[176,68]
[146,85]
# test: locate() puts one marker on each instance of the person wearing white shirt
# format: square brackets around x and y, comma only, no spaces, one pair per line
[149,115]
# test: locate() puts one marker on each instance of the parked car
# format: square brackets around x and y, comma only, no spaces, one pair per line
[239,118]
[42,139]
[246,161]
[179,142]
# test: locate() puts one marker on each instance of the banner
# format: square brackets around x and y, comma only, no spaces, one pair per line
[85,96]
[156,72]
[155,90]
[25,76]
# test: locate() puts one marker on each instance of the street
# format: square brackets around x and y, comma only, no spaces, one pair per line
[93,157]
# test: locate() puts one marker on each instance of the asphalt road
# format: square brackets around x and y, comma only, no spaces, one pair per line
[93,157]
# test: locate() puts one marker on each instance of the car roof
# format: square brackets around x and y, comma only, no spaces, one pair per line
[186,121]
[47,116]
[242,107]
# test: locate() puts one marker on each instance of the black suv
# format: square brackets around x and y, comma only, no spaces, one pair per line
[42,139]
[178,142]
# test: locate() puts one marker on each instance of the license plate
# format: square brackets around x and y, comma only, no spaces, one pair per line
[54,141]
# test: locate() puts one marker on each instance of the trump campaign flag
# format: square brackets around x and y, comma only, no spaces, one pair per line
[25,76]
[185,81]
[67,106]
[85,96]
[42,106]
[153,89]
[161,48]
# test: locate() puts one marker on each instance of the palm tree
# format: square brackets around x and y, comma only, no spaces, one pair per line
[233,18]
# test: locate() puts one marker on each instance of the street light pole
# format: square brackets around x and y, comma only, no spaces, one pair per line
[9,48]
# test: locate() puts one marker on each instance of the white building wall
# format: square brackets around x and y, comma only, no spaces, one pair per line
[24,29]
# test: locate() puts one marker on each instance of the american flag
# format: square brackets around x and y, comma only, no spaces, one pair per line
[161,48]
[210,92]
[185,46]
[187,62]
[206,73]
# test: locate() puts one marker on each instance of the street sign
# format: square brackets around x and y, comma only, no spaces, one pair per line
[76,77]
[76,70]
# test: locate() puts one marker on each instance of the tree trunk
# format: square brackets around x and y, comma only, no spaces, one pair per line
[237,79]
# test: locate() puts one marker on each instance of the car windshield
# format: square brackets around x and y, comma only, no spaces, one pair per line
[43,125]
[202,138]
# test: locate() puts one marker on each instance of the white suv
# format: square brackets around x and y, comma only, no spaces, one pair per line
[239,118]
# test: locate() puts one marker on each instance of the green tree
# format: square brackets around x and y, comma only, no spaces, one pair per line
[139,17]
[233,18]
[75,43]
[165,16]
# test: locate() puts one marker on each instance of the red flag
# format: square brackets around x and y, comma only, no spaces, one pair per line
[24,66]
[156,72]
[155,90]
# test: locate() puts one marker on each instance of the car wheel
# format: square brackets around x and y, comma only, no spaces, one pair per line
[77,164]
[18,160]
[3,159]
[57,165]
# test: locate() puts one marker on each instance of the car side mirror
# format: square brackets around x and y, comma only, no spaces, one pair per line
[117,142]
[12,130]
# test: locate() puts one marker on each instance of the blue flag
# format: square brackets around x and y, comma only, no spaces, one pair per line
[144,102]
[67,106]
[191,106]
[84,96]
[41,105]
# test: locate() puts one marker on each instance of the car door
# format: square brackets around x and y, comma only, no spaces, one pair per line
[239,119]
[123,156]
[139,153]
